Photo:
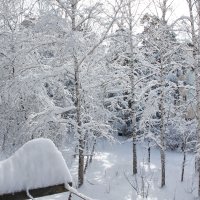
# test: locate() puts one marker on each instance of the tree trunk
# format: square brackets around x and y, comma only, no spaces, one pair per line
[78,120]
[92,152]
[88,156]
[80,164]
[134,156]
[162,156]
[132,80]
[162,124]
[5,135]
[162,153]
[183,166]
[149,155]
[78,103]
[164,10]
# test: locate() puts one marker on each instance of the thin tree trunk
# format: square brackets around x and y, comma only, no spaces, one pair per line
[4,142]
[86,164]
[132,80]
[134,156]
[162,124]
[81,164]
[149,155]
[78,103]
[87,160]
[162,108]
[162,151]
[76,151]
[78,120]
[183,166]
[162,156]
[164,10]
[92,152]
[89,157]
[5,138]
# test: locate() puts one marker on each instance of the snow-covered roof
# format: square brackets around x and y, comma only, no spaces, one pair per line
[36,164]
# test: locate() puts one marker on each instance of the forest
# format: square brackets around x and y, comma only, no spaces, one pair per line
[114,84]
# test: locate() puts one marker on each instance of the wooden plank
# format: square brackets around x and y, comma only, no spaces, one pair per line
[40,192]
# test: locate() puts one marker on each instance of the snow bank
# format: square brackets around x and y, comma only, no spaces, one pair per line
[37,164]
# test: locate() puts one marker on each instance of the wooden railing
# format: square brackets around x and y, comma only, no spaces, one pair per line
[35,193]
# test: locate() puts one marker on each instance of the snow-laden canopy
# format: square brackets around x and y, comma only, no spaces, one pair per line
[36,164]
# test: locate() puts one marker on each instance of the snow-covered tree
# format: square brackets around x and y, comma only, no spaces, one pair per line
[83,55]
[194,10]
[166,58]
[127,62]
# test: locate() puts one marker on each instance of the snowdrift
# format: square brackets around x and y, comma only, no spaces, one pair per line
[36,164]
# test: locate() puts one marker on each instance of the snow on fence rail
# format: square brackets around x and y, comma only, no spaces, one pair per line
[36,169]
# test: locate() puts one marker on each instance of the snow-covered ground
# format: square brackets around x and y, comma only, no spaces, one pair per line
[108,175]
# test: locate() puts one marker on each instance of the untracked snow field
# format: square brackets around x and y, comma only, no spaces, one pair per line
[109,176]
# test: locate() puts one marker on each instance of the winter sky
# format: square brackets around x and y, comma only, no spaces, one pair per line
[181,7]
[178,8]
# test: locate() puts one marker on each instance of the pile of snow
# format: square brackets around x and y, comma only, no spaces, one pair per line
[37,164]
